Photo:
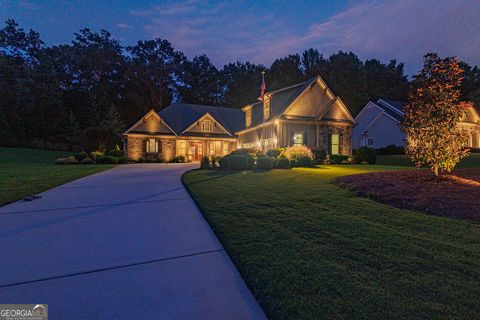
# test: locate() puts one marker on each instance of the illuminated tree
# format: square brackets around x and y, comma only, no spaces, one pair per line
[432,113]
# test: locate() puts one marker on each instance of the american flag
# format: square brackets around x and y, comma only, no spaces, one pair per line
[262,88]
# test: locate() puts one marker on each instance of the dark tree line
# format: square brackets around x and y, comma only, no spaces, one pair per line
[84,94]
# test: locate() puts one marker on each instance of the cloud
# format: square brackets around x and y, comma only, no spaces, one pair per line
[398,29]
[123,26]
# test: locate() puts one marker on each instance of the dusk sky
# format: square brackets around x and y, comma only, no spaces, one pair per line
[260,31]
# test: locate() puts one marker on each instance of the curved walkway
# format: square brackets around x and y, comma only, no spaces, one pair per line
[125,243]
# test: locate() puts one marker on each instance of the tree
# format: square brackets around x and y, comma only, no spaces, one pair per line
[201,82]
[284,72]
[432,113]
[386,81]
[241,83]
[313,63]
[8,137]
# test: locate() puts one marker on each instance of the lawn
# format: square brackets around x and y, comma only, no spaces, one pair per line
[25,172]
[472,161]
[308,249]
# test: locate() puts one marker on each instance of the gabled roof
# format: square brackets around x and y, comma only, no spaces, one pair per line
[180,116]
[392,108]
[156,115]
[280,100]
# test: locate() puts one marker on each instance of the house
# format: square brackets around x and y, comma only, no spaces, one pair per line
[378,125]
[184,129]
[307,113]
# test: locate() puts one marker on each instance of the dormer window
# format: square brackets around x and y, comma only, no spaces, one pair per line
[207,125]
[248,117]
[266,109]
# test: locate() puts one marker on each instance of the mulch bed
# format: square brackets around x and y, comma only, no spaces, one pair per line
[455,195]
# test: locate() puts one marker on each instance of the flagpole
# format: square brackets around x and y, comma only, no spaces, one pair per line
[263,102]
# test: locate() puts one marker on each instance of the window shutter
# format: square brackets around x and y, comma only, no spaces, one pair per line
[292,141]
[305,138]
[329,138]
[340,143]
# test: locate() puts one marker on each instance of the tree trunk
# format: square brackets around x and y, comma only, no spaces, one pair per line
[435,171]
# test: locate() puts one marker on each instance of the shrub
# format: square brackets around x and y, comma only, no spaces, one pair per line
[96,154]
[205,164]
[391,150]
[251,154]
[178,159]
[223,162]
[301,156]
[365,154]
[265,163]
[67,160]
[238,162]
[304,161]
[213,160]
[282,163]
[81,155]
[86,161]
[275,153]
[115,153]
[108,159]
[319,155]
[338,158]
[293,163]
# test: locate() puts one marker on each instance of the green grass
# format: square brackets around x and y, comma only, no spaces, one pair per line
[308,249]
[25,172]
[472,161]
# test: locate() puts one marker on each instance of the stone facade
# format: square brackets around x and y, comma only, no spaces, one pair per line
[135,148]
[168,149]
[344,131]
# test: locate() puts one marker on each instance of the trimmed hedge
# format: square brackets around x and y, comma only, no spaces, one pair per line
[282,163]
[205,163]
[365,154]
[339,158]
[115,153]
[81,155]
[265,163]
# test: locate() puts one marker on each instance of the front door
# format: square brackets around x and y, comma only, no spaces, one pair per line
[197,150]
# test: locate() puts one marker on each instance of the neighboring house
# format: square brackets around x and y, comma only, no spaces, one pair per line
[378,125]
[305,114]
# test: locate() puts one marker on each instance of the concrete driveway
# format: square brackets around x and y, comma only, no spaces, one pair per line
[126,243]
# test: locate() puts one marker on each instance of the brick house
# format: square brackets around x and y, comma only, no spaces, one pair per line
[307,113]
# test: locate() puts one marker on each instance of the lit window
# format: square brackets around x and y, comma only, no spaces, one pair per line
[151,146]
[266,109]
[211,147]
[298,138]
[225,147]
[182,148]
[248,117]
[370,142]
[335,144]
[207,125]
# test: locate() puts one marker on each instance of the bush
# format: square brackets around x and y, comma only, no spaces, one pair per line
[179,159]
[223,162]
[238,162]
[115,153]
[391,150]
[251,154]
[86,161]
[282,163]
[304,161]
[81,155]
[213,161]
[265,163]
[338,158]
[365,154]
[109,159]
[67,160]
[275,153]
[319,155]
[299,156]
[205,163]
[96,154]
